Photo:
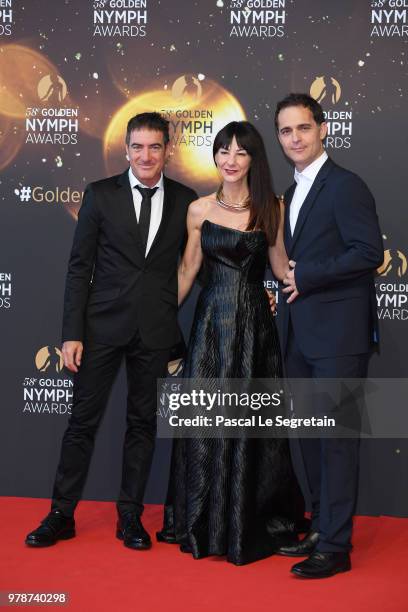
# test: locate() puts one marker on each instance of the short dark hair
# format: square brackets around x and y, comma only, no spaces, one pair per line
[149,121]
[301,99]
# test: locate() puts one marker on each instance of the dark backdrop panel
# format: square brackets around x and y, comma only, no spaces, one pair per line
[54,60]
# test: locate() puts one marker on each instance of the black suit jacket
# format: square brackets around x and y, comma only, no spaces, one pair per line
[337,246]
[111,288]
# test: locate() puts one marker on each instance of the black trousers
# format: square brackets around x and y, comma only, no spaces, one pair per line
[330,464]
[92,385]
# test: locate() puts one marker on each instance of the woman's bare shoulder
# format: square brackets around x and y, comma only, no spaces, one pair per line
[200,208]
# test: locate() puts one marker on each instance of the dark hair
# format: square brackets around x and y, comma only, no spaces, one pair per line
[301,99]
[264,212]
[149,121]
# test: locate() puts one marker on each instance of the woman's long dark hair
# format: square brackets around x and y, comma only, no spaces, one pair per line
[264,212]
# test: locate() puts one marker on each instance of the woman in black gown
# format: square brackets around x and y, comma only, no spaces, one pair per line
[233,497]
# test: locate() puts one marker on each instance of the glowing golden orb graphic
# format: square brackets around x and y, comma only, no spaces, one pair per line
[326,88]
[21,69]
[197,110]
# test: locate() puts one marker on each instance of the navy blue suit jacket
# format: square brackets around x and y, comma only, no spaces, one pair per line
[337,246]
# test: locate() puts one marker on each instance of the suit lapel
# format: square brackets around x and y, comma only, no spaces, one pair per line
[307,205]
[127,209]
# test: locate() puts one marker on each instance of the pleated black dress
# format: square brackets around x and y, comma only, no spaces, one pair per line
[233,497]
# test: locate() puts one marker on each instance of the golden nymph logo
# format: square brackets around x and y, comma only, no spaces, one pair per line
[52,122]
[190,126]
[52,89]
[6,17]
[392,289]
[119,18]
[48,394]
[49,358]
[326,90]
[395,264]
[257,18]
[197,108]
[389,18]
[5,290]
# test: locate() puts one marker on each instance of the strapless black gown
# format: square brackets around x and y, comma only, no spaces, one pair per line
[233,497]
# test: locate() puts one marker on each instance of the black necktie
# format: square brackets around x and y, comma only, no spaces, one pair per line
[145,212]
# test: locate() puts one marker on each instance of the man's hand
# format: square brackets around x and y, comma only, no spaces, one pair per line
[72,354]
[272,300]
[290,283]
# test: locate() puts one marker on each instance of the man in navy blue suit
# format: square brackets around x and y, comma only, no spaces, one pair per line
[334,245]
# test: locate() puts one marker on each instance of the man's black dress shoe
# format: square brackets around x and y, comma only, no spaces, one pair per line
[131,531]
[322,565]
[54,527]
[167,533]
[304,548]
[185,547]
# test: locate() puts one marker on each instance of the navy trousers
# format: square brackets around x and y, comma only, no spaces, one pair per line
[330,464]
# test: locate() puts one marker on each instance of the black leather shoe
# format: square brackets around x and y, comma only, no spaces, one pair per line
[323,565]
[304,548]
[167,533]
[54,527]
[185,547]
[131,531]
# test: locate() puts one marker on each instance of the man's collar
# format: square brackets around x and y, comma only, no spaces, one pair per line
[312,170]
[133,180]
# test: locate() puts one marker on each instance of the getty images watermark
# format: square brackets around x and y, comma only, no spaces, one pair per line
[264,408]
[224,401]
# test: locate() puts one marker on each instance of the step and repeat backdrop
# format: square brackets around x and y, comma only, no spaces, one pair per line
[72,72]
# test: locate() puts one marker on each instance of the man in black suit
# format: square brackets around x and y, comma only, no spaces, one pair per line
[334,245]
[120,301]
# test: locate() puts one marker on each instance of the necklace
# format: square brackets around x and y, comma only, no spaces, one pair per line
[238,207]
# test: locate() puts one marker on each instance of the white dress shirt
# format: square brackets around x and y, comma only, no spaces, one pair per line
[304,182]
[157,205]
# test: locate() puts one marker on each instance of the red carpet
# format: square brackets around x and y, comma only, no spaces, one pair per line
[100,574]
